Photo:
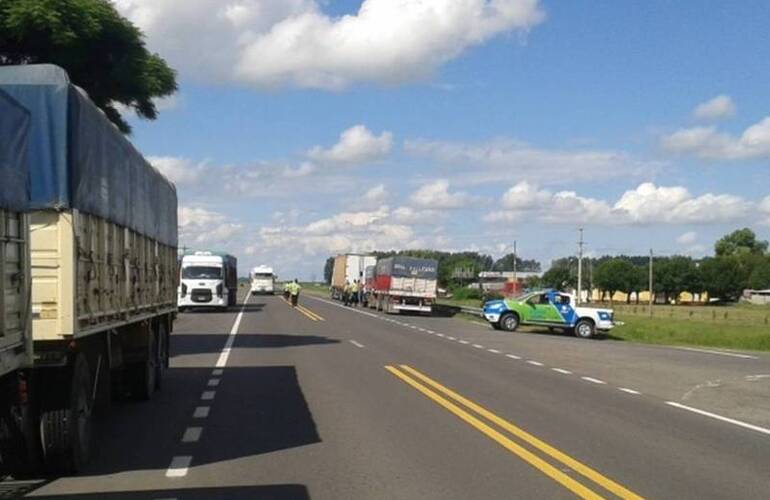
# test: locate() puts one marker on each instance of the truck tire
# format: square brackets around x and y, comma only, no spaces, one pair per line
[18,455]
[585,329]
[65,433]
[143,374]
[509,322]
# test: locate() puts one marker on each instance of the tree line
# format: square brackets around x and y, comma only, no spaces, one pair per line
[455,268]
[740,261]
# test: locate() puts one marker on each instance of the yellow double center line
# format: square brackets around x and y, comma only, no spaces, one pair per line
[307,312]
[433,390]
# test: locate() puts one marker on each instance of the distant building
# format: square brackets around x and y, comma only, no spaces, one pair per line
[506,282]
[758,297]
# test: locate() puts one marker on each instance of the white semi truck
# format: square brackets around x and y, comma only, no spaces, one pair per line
[208,279]
[262,280]
[100,255]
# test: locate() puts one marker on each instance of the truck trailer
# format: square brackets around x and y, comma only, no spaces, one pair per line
[347,269]
[404,284]
[208,279]
[15,312]
[102,252]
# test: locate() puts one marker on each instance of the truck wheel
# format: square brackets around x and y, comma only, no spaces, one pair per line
[17,442]
[143,374]
[65,433]
[509,322]
[585,329]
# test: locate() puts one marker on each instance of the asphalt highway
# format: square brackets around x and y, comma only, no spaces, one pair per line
[327,402]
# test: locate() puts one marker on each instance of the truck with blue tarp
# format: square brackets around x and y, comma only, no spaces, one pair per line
[102,267]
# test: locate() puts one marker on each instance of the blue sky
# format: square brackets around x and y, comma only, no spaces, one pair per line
[303,128]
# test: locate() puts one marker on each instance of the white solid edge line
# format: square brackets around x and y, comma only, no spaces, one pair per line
[201,412]
[208,395]
[629,391]
[357,344]
[179,466]
[512,356]
[192,434]
[562,370]
[225,354]
[721,353]
[533,362]
[593,380]
[739,423]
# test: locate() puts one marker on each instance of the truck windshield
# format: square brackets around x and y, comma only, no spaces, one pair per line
[262,276]
[201,272]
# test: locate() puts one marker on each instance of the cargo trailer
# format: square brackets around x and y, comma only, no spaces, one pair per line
[405,284]
[347,269]
[102,250]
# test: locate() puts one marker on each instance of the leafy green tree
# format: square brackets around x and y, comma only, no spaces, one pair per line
[328,270]
[558,276]
[614,275]
[673,275]
[101,51]
[760,275]
[723,277]
[505,263]
[740,242]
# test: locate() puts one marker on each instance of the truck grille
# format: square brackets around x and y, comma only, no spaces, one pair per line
[201,295]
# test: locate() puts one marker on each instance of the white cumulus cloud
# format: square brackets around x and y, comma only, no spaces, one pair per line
[270,43]
[506,160]
[436,195]
[764,210]
[647,204]
[180,171]
[356,145]
[688,238]
[708,143]
[200,226]
[718,108]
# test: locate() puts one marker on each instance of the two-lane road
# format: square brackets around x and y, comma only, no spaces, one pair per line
[268,401]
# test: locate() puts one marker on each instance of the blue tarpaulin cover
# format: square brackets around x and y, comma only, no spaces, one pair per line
[79,159]
[14,130]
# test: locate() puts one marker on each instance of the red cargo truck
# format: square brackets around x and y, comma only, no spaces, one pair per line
[405,284]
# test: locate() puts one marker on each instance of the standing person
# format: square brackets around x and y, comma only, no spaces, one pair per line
[346,293]
[286,291]
[294,289]
[354,293]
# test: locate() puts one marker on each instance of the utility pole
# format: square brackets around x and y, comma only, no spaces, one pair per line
[514,261]
[580,267]
[651,292]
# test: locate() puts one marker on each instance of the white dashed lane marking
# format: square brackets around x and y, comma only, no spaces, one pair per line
[208,395]
[192,434]
[213,382]
[629,391]
[201,412]
[357,344]
[533,362]
[217,372]
[512,356]
[493,351]
[179,466]
[593,380]
[478,346]
[463,342]
[562,370]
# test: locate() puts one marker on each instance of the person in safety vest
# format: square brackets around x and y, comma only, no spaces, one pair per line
[346,293]
[286,291]
[294,289]
[354,293]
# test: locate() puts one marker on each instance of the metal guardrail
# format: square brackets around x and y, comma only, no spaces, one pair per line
[474,311]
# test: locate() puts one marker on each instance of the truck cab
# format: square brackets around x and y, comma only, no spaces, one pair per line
[207,280]
[262,280]
[549,308]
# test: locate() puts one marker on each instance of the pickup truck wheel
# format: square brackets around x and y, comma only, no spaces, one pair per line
[66,432]
[585,329]
[509,322]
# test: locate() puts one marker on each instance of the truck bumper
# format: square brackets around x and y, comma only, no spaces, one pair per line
[215,301]
[410,307]
[492,317]
[605,326]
